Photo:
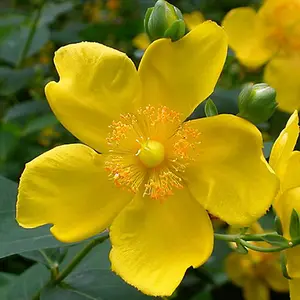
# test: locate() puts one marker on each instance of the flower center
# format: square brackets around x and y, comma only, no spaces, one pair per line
[151,154]
[150,151]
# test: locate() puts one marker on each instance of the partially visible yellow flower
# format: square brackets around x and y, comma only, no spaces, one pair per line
[47,136]
[113,5]
[91,10]
[270,35]
[286,163]
[45,55]
[193,19]
[141,41]
[152,176]
[256,272]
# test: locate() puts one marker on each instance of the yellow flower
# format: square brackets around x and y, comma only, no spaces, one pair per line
[270,35]
[47,136]
[113,5]
[286,163]
[141,41]
[193,19]
[256,272]
[91,10]
[156,176]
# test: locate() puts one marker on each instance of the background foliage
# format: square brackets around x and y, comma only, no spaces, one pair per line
[29,128]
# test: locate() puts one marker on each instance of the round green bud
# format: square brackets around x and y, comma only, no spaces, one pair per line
[164,20]
[257,102]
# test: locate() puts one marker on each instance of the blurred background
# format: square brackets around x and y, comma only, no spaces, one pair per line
[30,32]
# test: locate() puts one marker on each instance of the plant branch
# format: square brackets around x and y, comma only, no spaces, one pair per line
[30,34]
[73,264]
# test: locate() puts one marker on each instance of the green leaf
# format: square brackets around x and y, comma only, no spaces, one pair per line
[11,47]
[28,283]
[40,123]
[295,225]
[283,262]
[11,80]
[205,295]
[15,239]
[275,239]
[47,257]
[26,109]
[278,225]
[9,138]
[92,279]
[53,10]
[6,280]
[210,108]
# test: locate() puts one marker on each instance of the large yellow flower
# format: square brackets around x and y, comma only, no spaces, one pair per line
[270,35]
[286,163]
[256,272]
[156,176]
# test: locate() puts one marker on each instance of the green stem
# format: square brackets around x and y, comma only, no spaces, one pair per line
[72,265]
[53,266]
[263,249]
[30,35]
[245,237]
[78,258]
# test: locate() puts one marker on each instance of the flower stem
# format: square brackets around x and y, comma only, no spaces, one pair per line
[246,237]
[53,266]
[72,265]
[78,258]
[263,249]
[30,35]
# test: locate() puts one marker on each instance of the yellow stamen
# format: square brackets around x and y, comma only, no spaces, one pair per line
[150,150]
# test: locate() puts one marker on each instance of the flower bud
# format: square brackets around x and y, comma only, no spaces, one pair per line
[257,102]
[164,20]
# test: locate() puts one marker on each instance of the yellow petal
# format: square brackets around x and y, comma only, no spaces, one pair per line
[284,146]
[273,276]
[288,201]
[285,204]
[182,74]
[238,268]
[294,289]
[256,289]
[246,38]
[283,73]
[69,188]
[193,19]
[155,242]
[141,41]
[230,173]
[96,85]
[291,178]
[293,261]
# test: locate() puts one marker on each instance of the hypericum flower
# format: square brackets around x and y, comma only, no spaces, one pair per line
[270,35]
[91,10]
[156,175]
[256,272]
[286,163]
[192,20]
[47,136]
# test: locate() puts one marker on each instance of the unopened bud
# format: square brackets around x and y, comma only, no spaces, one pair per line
[164,20]
[257,102]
